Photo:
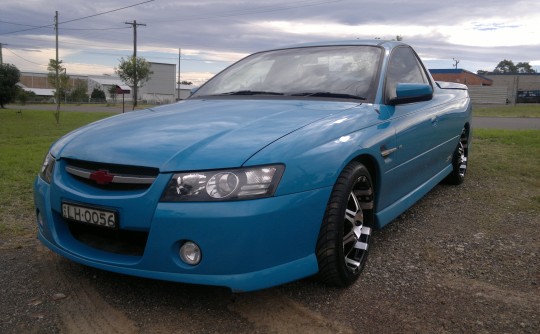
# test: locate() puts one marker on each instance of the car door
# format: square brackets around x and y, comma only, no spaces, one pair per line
[415,155]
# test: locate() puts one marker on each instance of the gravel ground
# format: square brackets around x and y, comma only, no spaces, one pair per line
[464,259]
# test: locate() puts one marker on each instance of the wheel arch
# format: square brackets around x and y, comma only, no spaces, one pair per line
[371,164]
[373,168]
[467,127]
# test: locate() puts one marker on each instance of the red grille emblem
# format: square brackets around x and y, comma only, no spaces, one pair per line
[102,177]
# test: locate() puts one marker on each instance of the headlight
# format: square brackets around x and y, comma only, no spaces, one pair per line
[47,168]
[224,185]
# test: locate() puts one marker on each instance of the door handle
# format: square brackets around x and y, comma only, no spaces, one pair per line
[386,152]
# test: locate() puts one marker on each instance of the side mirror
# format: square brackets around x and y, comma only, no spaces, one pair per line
[412,92]
[193,90]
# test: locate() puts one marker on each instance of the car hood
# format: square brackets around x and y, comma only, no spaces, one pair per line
[193,134]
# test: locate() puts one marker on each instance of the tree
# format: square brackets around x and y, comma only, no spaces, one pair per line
[524,67]
[23,95]
[134,72]
[79,91]
[63,78]
[508,66]
[112,93]
[9,76]
[505,66]
[60,83]
[184,82]
[97,95]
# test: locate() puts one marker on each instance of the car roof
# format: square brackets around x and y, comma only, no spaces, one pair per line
[388,44]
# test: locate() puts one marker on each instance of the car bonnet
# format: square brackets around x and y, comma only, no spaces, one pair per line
[193,134]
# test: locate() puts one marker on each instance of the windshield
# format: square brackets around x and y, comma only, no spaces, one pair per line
[329,71]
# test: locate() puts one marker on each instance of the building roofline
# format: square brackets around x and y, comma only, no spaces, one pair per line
[456,71]
[525,74]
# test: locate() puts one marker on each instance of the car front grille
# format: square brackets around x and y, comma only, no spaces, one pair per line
[111,176]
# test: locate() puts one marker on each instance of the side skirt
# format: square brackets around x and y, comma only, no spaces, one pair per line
[390,213]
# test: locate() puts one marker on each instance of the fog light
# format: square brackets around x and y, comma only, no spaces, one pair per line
[190,253]
[40,219]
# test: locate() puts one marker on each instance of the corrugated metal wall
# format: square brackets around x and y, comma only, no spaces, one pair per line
[488,94]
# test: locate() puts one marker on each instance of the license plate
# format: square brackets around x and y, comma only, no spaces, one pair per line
[94,216]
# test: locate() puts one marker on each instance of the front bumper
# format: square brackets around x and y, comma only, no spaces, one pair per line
[246,245]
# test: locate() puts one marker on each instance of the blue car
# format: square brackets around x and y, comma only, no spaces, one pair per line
[278,168]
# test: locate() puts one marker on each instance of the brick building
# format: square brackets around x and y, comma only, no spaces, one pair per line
[460,76]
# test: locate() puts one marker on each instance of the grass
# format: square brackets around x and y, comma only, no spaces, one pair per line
[520,110]
[511,157]
[24,140]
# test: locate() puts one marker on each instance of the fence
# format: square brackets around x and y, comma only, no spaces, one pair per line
[488,94]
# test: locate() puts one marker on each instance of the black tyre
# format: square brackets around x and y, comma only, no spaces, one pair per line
[344,238]
[459,160]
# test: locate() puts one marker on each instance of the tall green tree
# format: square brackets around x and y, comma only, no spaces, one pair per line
[59,83]
[134,72]
[505,66]
[9,76]
[524,67]
[508,66]
[63,79]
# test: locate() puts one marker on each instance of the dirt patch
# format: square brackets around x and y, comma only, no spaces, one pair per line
[80,307]
[271,312]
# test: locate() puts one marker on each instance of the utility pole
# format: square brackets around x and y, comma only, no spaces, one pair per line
[1,59]
[179,82]
[57,114]
[134,24]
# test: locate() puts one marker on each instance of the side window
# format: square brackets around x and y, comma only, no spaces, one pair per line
[403,67]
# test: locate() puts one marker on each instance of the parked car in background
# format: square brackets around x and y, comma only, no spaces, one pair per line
[276,169]
[528,96]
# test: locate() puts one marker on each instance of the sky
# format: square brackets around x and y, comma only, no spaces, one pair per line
[212,34]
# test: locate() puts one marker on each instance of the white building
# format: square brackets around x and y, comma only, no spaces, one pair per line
[183,92]
[161,88]
[105,83]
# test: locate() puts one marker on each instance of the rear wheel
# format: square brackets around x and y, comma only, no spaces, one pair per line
[345,234]
[460,160]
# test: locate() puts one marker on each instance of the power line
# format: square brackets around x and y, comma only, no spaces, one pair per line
[18,24]
[92,29]
[78,19]
[224,14]
[256,10]
[34,28]
[107,12]
[37,27]
[16,55]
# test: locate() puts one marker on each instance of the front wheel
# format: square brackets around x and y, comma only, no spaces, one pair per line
[344,237]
